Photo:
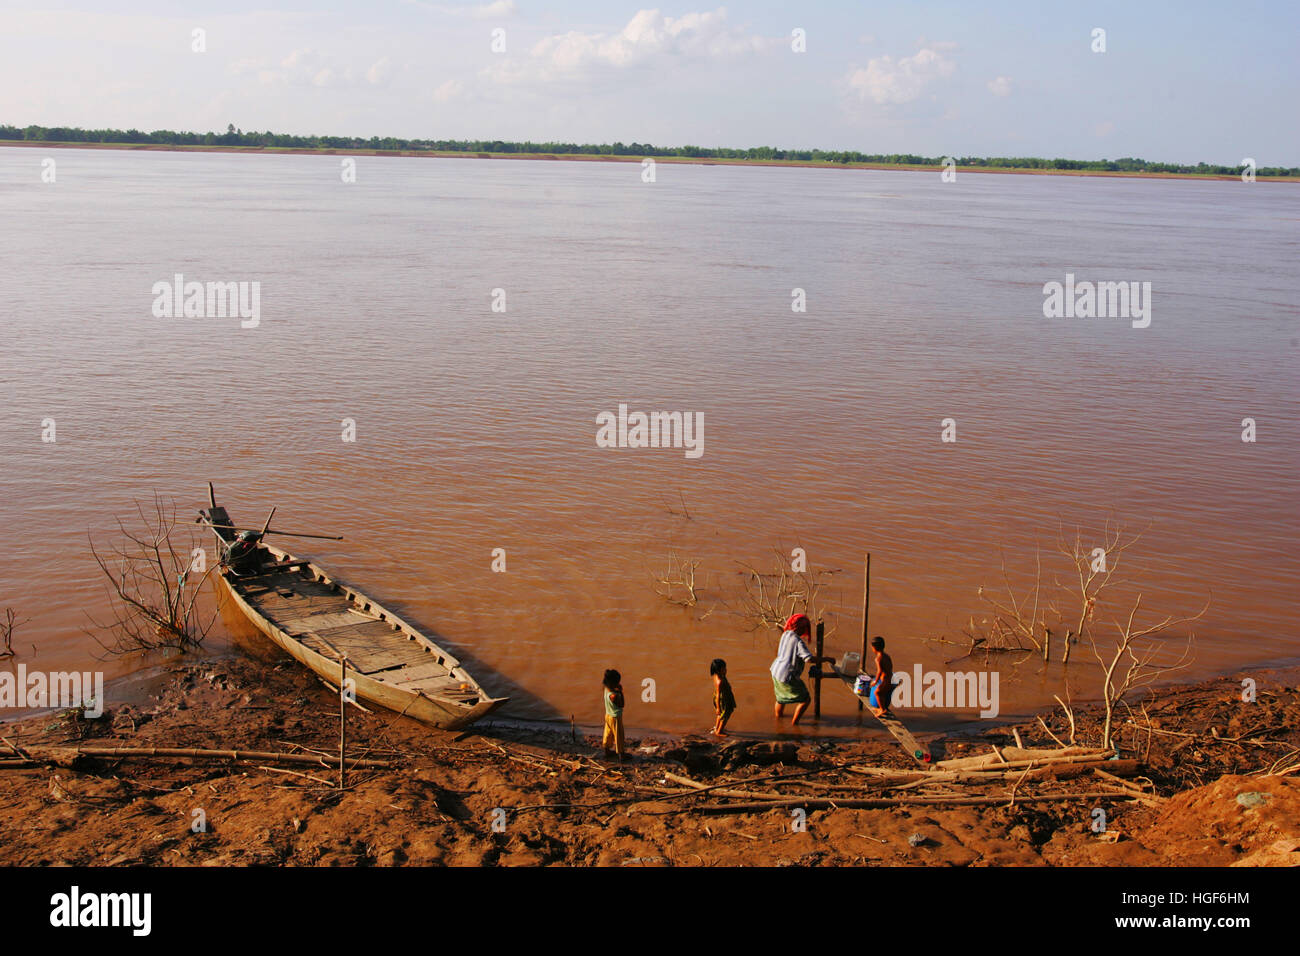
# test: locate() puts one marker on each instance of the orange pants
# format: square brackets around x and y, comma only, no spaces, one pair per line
[613,739]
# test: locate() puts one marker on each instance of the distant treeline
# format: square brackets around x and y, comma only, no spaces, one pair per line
[236,137]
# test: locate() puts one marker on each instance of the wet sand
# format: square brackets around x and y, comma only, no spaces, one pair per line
[1208,802]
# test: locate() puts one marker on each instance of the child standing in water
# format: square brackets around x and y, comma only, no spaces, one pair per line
[613,695]
[724,701]
[882,685]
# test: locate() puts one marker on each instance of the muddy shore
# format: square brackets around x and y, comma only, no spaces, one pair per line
[1217,784]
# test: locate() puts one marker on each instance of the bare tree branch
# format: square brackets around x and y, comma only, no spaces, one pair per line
[1137,660]
[7,627]
[677,584]
[154,596]
[767,599]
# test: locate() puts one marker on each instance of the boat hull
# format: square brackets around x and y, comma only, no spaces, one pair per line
[331,629]
[417,706]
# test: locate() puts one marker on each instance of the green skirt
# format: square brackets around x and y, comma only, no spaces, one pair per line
[792,691]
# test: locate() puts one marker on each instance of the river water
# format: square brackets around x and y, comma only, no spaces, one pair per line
[475,428]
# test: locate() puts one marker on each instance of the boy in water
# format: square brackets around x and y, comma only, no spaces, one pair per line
[724,701]
[613,695]
[882,685]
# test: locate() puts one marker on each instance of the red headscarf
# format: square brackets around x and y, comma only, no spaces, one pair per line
[794,620]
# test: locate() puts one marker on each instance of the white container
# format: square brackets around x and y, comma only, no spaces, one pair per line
[850,663]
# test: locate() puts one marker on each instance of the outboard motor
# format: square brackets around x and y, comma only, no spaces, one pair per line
[241,555]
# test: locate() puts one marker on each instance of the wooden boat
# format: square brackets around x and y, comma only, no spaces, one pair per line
[327,625]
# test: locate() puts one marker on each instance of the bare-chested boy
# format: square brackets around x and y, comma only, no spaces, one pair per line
[882,685]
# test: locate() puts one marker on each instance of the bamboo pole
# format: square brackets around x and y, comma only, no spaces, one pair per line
[695,789]
[827,803]
[969,763]
[129,753]
[343,719]
[866,610]
[817,670]
[1034,771]
[723,791]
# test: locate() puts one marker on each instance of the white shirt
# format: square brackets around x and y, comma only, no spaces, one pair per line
[790,655]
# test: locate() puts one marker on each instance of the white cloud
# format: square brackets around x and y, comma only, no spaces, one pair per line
[1000,86]
[1104,129]
[502,8]
[886,80]
[380,72]
[310,67]
[499,9]
[648,38]
[448,91]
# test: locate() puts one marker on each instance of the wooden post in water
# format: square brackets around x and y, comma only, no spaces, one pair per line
[866,609]
[817,671]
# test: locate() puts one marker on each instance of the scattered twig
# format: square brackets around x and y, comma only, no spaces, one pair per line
[305,776]
[1048,729]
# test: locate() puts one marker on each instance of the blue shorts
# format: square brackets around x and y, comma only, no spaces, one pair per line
[874,699]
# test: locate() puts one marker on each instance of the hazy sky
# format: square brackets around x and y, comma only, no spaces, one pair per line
[1179,82]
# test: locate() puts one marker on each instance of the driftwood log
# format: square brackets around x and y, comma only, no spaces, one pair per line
[66,755]
[825,803]
[1007,757]
[1027,770]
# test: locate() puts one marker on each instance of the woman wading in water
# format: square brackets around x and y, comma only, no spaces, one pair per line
[791,654]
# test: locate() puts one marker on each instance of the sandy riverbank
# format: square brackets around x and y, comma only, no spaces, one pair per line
[595,158]
[1206,798]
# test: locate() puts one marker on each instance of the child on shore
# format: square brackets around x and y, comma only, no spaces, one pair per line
[724,701]
[882,684]
[613,695]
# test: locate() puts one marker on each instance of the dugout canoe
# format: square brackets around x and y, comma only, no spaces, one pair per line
[318,620]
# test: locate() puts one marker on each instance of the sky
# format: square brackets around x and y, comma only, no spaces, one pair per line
[1177,82]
